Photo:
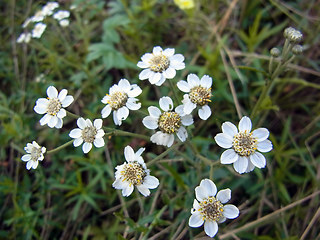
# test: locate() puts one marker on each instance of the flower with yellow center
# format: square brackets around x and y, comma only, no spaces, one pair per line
[208,208]
[34,155]
[121,98]
[243,146]
[53,107]
[169,122]
[198,94]
[133,173]
[160,65]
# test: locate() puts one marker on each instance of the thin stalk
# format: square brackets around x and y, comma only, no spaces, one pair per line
[72,115]
[117,132]
[60,147]
[165,153]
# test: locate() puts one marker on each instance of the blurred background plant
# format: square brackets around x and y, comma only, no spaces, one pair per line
[69,196]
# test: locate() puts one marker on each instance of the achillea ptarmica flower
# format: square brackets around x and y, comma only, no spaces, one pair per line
[121,98]
[169,122]
[199,94]
[64,22]
[61,15]
[208,207]
[38,16]
[88,133]
[243,145]
[24,37]
[49,7]
[34,155]
[293,35]
[38,30]
[134,172]
[53,107]
[160,65]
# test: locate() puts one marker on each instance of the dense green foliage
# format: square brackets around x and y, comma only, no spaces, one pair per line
[70,194]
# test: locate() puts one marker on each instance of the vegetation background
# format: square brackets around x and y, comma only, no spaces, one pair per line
[69,196]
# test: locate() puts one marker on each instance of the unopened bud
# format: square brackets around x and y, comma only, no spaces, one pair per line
[297,49]
[275,52]
[293,35]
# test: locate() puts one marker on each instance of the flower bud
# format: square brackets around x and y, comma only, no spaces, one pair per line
[293,35]
[297,49]
[275,52]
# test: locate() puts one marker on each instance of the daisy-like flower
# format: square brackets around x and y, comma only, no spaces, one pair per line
[38,30]
[38,16]
[34,155]
[160,65]
[199,94]
[209,209]
[88,133]
[243,145]
[53,107]
[64,23]
[61,15]
[49,7]
[121,98]
[134,172]
[169,122]
[24,37]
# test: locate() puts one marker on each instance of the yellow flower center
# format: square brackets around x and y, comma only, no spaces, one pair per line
[159,63]
[169,122]
[54,106]
[133,173]
[117,100]
[89,134]
[211,209]
[200,95]
[244,143]
[35,153]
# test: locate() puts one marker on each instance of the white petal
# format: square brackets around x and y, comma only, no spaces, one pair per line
[129,154]
[161,81]
[86,147]
[209,186]
[196,204]
[258,160]
[122,113]
[132,105]
[188,107]
[42,101]
[67,101]
[155,78]
[182,134]
[183,86]
[100,133]
[195,220]
[147,57]
[124,85]
[59,123]
[154,111]
[223,140]
[53,121]
[168,52]
[222,219]
[45,119]
[177,65]
[264,146]
[187,120]
[150,122]
[241,165]
[106,111]
[201,193]
[77,142]
[230,211]
[204,112]
[115,118]
[229,129]
[98,142]
[229,156]
[250,167]
[26,157]
[127,191]
[245,124]
[62,113]
[211,228]
[75,133]
[141,64]
[169,140]
[177,58]
[88,122]
[143,190]
[119,184]
[40,109]
[97,123]
[179,110]
[193,80]
[157,50]
[169,73]
[151,182]
[206,81]
[62,94]
[29,164]
[52,92]
[166,103]
[260,134]
[81,123]
[134,92]
[145,74]
[224,195]
[35,164]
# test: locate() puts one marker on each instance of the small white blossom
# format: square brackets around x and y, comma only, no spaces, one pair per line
[121,98]
[26,22]
[61,15]
[88,133]
[208,209]
[34,155]
[24,37]
[53,107]
[38,16]
[160,65]
[64,23]
[169,122]
[49,7]
[243,145]
[199,94]
[38,30]
[134,172]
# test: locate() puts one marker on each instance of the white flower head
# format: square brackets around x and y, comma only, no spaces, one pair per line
[38,30]
[64,22]
[34,155]
[26,22]
[53,107]
[121,98]
[242,145]
[199,94]
[134,172]
[38,16]
[49,7]
[24,37]
[208,207]
[160,65]
[169,122]
[88,134]
[61,15]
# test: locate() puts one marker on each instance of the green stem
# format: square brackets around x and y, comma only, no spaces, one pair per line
[72,115]
[173,90]
[265,90]
[116,132]
[162,155]
[60,147]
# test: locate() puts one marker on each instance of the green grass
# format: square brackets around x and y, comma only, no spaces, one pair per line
[70,194]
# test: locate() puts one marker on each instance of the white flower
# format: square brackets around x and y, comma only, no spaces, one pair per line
[199,93]
[53,107]
[26,22]
[24,37]
[64,23]
[169,122]
[88,133]
[49,7]
[134,172]
[243,145]
[61,15]
[210,209]
[38,16]
[38,30]
[120,99]
[34,154]
[160,65]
